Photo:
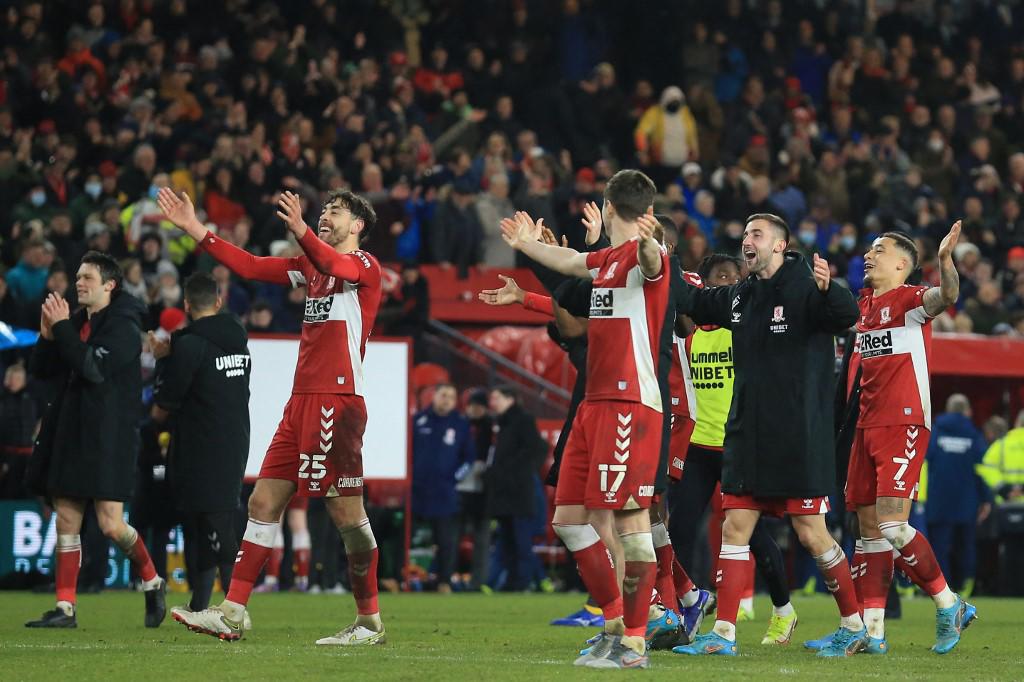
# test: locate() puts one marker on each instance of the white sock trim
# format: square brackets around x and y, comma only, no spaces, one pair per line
[301,540]
[876,546]
[784,610]
[260,533]
[830,557]
[659,533]
[898,533]
[358,538]
[725,629]
[638,547]
[69,543]
[577,537]
[735,552]
[874,620]
[127,539]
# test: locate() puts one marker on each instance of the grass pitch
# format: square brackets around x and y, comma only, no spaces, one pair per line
[463,637]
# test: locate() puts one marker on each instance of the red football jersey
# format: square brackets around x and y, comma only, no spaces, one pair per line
[339,311]
[894,336]
[627,314]
[338,318]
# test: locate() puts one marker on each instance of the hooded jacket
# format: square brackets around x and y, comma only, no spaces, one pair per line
[204,383]
[779,439]
[89,439]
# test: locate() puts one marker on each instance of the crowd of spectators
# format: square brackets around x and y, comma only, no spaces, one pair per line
[864,116]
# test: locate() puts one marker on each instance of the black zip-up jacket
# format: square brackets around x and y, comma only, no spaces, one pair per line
[204,383]
[89,439]
[779,439]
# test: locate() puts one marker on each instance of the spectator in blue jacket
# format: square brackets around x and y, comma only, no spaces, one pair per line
[26,281]
[441,447]
[957,498]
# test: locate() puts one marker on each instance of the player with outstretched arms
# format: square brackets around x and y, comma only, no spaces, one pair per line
[317,450]
[608,469]
[893,346]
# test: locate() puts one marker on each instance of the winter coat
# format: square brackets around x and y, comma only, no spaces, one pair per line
[89,440]
[441,446]
[204,384]
[516,455]
[955,449]
[778,440]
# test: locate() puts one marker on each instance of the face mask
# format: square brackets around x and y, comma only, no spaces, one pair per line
[808,238]
[153,191]
[93,189]
[848,243]
[673,107]
[38,199]
[936,145]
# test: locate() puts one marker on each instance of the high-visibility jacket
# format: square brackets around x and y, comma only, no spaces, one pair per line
[1003,464]
[712,371]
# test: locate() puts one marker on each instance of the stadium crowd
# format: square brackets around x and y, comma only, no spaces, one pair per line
[450,116]
[859,121]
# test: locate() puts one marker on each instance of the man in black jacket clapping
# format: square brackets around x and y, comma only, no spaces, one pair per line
[89,439]
[203,384]
[779,445]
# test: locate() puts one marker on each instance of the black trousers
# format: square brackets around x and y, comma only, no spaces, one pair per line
[688,499]
[211,543]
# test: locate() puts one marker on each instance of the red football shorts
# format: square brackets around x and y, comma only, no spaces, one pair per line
[678,444]
[298,502]
[777,506]
[611,457]
[886,462]
[319,445]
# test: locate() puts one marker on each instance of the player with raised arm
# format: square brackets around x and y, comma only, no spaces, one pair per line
[778,455]
[317,450]
[610,461]
[893,347]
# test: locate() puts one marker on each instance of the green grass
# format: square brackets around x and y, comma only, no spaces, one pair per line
[462,637]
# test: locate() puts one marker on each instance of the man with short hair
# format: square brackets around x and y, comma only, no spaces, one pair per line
[778,451]
[955,507]
[511,484]
[89,440]
[442,449]
[202,385]
[893,429]
[608,471]
[317,450]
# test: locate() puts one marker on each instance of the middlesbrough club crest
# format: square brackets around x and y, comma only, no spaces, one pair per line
[778,315]
[886,315]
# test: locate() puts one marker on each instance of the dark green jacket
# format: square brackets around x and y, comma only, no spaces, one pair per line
[779,439]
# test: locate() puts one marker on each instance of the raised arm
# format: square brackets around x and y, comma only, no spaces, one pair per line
[522,234]
[511,293]
[943,296]
[650,254]
[322,255]
[109,349]
[835,310]
[181,212]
